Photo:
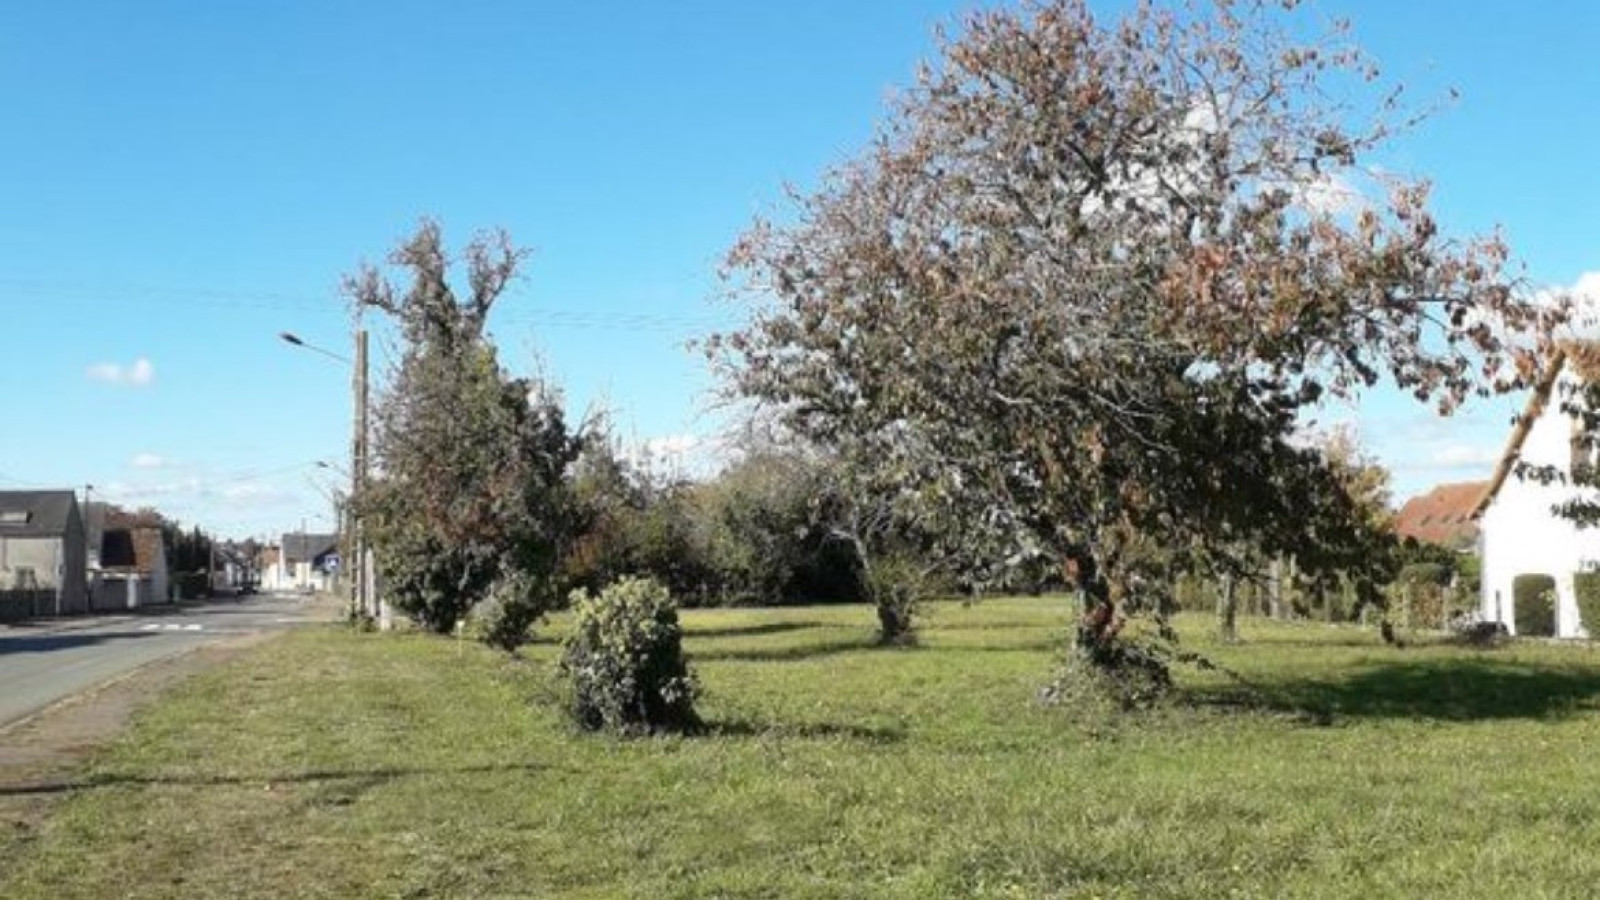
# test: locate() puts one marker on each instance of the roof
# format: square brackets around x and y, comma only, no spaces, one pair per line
[1584,357]
[1445,515]
[308,547]
[135,549]
[36,513]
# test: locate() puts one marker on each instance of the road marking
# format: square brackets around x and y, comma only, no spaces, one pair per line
[169,626]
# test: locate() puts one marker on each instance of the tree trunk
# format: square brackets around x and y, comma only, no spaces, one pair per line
[1228,612]
[894,622]
[1275,589]
[1097,627]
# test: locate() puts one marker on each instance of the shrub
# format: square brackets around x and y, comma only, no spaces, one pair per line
[625,661]
[1534,605]
[897,586]
[1429,573]
[1588,590]
[192,585]
[505,618]
[1128,676]
[1482,635]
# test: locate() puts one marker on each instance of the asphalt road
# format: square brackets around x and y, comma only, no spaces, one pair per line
[41,664]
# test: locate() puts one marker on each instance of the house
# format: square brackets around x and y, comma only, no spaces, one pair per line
[233,567]
[132,561]
[302,562]
[43,569]
[1443,516]
[1520,532]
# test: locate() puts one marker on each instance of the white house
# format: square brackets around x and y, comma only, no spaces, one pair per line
[1519,532]
[302,562]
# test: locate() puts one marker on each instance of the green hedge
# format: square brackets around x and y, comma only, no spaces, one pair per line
[1430,573]
[1534,605]
[1588,590]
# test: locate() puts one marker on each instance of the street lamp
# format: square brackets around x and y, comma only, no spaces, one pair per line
[366,599]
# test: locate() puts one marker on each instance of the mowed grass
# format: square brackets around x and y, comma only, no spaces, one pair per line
[328,764]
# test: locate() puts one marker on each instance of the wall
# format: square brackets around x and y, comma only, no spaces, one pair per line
[1520,534]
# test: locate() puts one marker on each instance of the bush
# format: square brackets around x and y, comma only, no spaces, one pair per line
[625,661]
[505,618]
[1588,591]
[1429,573]
[192,585]
[1534,605]
[1126,677]
[897,586]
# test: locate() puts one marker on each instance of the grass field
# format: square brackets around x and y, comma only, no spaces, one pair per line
[328,764]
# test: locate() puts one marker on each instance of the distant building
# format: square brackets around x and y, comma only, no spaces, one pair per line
[131,568]
[43,569]
[234,567]
[1443,516]
[302,562]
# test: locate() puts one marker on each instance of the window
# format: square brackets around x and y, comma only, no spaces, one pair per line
[24,580]
[1581,461]
[14,517]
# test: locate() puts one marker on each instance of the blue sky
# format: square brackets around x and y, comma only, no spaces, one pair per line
[184,180]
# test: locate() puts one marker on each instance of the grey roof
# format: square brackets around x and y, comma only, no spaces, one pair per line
[46,513]
[308,547]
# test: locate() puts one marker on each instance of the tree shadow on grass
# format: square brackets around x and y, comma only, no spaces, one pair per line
[806,731]
[818,650]
[1456,690]
[361,779]
[752,630]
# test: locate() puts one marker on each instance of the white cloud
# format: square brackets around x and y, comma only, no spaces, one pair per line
[253,491]
[121,492]
[1462,456]
[1330,194]
[140,374]
[1585,296]
[147,461]
[677,455]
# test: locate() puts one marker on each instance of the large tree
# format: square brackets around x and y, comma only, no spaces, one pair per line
[1080,289]
[471,490]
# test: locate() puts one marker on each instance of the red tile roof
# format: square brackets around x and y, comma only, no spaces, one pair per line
[1442,516]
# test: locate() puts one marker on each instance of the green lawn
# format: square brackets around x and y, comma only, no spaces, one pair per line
[328,764]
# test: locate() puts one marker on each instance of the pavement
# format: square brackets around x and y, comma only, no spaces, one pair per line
[42,663]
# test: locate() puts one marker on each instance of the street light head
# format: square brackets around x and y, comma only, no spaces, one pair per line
[291,338]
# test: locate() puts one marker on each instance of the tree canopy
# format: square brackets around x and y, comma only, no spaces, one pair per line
[1078,292]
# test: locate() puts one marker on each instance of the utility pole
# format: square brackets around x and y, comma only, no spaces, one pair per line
[366,589]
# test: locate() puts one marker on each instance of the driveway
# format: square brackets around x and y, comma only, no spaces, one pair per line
[41,664]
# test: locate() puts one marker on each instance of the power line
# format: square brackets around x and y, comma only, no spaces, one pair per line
[15,290]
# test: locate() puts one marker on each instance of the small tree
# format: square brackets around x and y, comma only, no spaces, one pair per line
[624,660]
[471,488]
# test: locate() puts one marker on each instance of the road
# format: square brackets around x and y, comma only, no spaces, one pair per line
[42,664]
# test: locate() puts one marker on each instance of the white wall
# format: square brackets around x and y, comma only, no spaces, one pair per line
[1520,534]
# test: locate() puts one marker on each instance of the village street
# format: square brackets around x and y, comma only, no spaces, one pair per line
[42,664]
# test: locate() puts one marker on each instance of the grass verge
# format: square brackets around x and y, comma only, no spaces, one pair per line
[328,764]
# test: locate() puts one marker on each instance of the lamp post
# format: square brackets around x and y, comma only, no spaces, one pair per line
[366,595]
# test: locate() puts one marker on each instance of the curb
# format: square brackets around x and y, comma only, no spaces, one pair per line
[54,626]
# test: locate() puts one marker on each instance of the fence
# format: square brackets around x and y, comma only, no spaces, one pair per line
[18,605]
[1409,604]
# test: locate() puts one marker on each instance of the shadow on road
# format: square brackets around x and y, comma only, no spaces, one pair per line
[45,643]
